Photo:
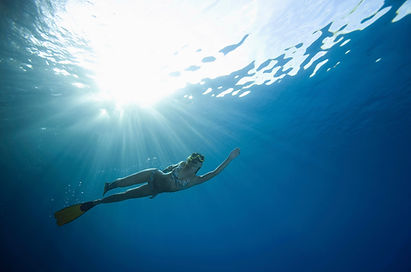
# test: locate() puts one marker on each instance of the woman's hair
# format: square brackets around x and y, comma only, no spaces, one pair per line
[195,157]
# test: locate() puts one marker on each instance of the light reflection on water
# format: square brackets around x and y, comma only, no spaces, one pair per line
[142,52]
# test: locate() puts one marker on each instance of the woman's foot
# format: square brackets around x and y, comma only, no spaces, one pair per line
[106,187]
[88,205]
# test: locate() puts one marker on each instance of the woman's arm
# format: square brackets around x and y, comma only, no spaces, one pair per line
[215,172]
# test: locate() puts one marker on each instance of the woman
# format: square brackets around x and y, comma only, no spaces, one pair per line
[174,178]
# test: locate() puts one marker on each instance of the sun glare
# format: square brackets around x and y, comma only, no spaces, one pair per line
[133,70]
[133,49]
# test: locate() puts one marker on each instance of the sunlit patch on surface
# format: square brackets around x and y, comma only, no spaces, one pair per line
[222,94]
[318,66]
[78,85]
[345,42]
[313,59]
[61,72]
[209,90]
[403,11]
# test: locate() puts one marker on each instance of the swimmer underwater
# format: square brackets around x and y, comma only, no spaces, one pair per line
[174,178]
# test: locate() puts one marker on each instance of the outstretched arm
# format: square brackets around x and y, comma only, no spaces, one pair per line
[220,168]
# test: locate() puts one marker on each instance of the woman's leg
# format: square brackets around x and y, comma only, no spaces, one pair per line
[137,178]
[141,191]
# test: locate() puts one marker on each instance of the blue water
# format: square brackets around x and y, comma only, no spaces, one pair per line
[322,182]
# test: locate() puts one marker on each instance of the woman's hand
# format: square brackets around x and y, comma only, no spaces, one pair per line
[234,154]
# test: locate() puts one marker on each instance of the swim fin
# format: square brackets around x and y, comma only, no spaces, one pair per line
[68,214]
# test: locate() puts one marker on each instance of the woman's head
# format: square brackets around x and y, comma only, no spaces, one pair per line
[195,161]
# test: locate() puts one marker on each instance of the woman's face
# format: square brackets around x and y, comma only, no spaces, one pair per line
[194,165]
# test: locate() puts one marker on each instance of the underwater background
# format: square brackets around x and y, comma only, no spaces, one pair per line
[317,94]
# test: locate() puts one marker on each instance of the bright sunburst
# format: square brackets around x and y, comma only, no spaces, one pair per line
[134,46]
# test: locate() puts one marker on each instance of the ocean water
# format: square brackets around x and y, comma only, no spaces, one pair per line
[317,94]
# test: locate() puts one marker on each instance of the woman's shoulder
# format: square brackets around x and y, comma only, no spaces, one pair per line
[172,167]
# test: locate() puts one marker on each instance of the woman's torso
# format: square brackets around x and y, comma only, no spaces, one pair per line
[174,180]
[178,179]
[171,181]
